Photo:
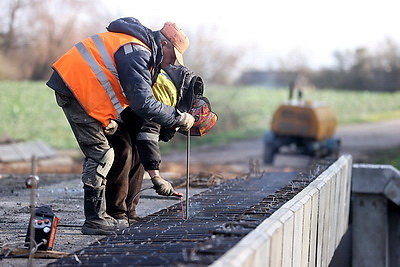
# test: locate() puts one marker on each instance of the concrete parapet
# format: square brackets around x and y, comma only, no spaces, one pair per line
[306,230]
[375,215]
[377,179]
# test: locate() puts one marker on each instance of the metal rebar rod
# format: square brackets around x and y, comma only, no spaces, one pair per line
[187,173]
[33,183]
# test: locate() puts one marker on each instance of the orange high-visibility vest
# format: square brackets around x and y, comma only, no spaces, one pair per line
[90,72]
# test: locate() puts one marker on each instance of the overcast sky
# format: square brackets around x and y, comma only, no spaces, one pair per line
[269,30]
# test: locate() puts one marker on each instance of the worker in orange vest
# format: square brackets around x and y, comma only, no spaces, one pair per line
[95,82]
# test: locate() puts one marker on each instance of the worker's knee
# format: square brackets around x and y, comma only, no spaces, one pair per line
[105,164]
[95,172]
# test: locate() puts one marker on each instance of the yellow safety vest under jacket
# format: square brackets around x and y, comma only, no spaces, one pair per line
[90,72]
[164,90]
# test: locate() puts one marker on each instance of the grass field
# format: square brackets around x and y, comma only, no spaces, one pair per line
[28,111]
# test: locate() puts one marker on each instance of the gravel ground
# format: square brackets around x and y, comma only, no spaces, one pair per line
[209,165]
[66,200]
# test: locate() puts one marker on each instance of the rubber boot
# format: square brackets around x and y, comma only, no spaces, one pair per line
[97,221]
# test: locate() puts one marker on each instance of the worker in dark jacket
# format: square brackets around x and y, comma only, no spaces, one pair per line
[95,82]
[174,87]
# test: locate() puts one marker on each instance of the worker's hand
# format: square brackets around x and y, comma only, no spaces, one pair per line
[162,186]
[185,122]
[111,128]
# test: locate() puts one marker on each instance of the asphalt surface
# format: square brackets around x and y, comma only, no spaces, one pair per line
[66,200]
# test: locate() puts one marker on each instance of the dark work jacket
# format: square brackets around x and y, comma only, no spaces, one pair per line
[188,86]
[134,73]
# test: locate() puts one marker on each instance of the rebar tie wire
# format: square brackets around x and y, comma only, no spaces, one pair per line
[152,187]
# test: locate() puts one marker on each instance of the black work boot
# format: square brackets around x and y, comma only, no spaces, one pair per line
[97,221]
[132,217]
[122,220]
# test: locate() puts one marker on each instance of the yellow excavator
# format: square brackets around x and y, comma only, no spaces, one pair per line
[304,127]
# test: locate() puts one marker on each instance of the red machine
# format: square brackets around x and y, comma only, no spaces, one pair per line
[44,225]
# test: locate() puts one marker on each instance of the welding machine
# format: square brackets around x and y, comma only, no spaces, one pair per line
[44,224]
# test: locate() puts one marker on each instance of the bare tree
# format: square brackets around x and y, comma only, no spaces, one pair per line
[8,15]
[362,69]
[387,66]
[39,31]
[294,61]
[208,57]
[34,33]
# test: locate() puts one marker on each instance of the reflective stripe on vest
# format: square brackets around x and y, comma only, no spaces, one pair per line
[89,71]
[101,76]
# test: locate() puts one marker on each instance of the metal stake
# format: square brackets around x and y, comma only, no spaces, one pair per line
[32,183]
[187,173]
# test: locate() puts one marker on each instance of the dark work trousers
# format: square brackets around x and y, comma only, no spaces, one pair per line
[90,136]
[125,177]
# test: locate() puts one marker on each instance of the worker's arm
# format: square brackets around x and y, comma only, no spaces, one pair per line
[166,134]
[135,79]
[148,146]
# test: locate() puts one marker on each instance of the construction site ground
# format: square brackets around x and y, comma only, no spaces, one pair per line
[61,188]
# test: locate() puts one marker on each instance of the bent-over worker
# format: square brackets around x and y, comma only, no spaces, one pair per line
[95,81]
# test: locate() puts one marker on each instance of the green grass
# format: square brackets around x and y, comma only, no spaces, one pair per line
[356,107]
[388,157]
[29,112]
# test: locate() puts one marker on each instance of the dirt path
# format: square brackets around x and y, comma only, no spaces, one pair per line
[359,140]
[234,159]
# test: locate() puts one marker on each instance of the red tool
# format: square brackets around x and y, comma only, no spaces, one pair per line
[44,225]
[177,194]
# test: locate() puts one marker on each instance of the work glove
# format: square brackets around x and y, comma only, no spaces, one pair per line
[185,122]
[162,187]
[111,128]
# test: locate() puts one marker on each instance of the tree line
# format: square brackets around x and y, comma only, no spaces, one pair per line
[362,69]
[34,33]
